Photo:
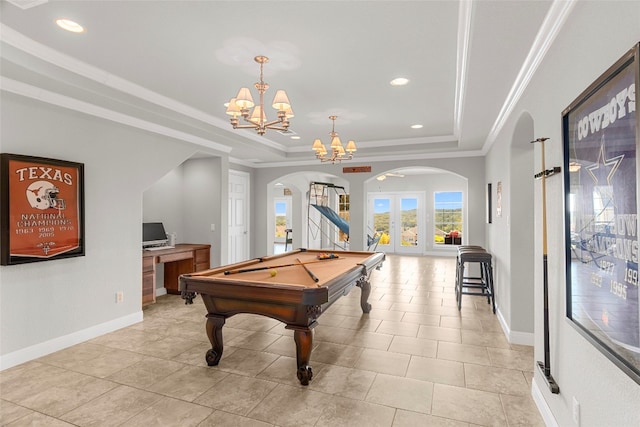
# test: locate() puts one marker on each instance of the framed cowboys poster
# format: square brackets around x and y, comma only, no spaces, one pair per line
[42,212]
[600,133]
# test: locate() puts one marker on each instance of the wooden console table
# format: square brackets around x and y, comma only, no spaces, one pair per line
[184,258]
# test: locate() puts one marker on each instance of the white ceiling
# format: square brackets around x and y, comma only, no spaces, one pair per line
[169,66]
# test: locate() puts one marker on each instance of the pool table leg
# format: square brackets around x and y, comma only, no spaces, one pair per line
[365,288]
[214,332]
[304,340]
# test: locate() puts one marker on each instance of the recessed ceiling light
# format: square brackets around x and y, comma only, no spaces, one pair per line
[295,137]
[69,25]
[400,81]
[416,126]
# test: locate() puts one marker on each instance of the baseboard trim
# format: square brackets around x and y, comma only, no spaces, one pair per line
[24,355]
[161,291]
[543,408]
[515,337]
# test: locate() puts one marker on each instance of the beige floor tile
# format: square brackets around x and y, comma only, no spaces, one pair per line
[349,413]
[436,371]
[444,310]
[361,377]
[188,383]
[196,354]
[511,359]
[403,393]
[422,319]
[341,381]
[331,334]
[496,380]
[383,362]
[112,408]
[36,419]
[463,353]
[416,346]
[413,419]
[236,394]
[372,340]
[246,362]
[407,307]
[292,406]
[491,325]
[472,406]
[284,346]
[439,334]
[127,339]
[460,323]
[253,341]
[146,372]
[284,371]
[362,323]
[397,298]
[170,412]
[74,390]
[329,319]
[386,314]
[10,412]
[336,354]
[398,328]
[224,419]
[521,411]
[18,383]
[167,347]
[92,359]
[485,339]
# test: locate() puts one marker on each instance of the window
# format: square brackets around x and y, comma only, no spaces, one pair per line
[343,210]
[448,217]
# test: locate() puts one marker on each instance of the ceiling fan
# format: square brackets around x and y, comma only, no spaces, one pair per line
[390,174]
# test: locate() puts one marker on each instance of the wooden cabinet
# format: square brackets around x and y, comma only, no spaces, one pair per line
[184,258]
[148,280]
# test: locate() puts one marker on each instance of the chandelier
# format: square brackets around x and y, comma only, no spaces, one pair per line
[257,119]
[338,152]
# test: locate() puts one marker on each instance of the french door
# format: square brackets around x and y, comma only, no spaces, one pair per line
[399,219]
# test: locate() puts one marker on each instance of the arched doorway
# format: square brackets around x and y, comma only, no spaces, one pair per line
[403,205]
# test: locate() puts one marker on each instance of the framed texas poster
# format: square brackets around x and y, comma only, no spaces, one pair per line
[42,212]
[601,136]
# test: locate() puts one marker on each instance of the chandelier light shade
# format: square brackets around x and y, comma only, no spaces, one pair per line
[241,106]
[338,152]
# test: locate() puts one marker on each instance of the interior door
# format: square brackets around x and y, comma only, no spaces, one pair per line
[399,218]
[238,216]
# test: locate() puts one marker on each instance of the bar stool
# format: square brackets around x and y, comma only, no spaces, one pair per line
[477,286]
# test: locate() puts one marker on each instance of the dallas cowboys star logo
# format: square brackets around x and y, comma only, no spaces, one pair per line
[613,163]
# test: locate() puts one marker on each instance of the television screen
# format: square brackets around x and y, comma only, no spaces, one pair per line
[153,234]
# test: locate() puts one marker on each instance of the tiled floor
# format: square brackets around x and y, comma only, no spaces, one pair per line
[415,360]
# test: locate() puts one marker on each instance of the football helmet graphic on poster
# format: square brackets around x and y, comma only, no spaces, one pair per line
[44,195]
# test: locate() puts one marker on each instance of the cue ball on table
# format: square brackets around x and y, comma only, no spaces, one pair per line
[273,273]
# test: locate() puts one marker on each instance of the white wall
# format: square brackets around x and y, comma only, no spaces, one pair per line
[163,201]
[50,305]
[469,168]
[428,184]
[595,36]
[189,199]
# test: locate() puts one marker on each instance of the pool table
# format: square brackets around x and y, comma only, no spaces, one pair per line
[294,288]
